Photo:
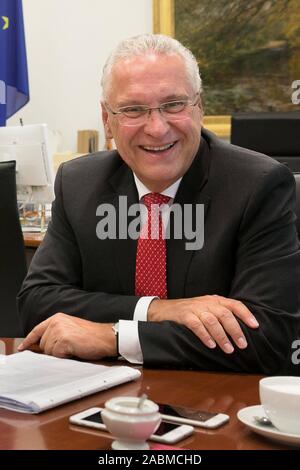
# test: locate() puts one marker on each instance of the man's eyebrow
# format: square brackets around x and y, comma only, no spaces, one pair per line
[139,102]
[124,104]
[166,99]
[175,98]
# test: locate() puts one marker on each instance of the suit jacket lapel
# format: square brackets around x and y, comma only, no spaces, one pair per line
[190,191]
[125,249]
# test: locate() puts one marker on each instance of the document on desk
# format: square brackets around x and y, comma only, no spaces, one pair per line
[31,382]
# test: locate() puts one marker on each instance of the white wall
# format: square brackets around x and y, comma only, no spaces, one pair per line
[67,44]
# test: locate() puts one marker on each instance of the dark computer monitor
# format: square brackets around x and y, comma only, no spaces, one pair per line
[275,134]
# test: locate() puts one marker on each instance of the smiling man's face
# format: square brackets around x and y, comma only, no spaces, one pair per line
[159,151]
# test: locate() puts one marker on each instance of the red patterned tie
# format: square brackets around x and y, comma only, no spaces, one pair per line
[150,271]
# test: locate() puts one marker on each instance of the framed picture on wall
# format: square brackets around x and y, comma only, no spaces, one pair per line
[248,51]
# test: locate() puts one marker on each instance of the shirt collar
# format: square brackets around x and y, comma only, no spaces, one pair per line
[143,190]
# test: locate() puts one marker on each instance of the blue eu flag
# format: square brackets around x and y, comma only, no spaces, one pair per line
[14,88]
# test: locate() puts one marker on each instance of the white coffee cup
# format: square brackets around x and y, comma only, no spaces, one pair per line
[280,397]
[131,421]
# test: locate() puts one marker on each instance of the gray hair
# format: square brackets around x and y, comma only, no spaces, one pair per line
[158,43]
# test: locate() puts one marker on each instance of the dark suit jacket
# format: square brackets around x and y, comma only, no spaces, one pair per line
[250,253]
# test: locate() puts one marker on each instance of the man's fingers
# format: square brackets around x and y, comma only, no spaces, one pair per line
[239,310]
[196,326]
[216,331]
[230,325]
[34,336]
[47,341]
[63,350]
[212,328]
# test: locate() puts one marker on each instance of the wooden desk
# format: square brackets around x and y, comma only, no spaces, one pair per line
[32,241]
[203,390]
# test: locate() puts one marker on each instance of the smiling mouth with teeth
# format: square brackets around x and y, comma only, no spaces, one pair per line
[158,149]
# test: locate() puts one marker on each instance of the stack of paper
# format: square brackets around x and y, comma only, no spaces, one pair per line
[31,382]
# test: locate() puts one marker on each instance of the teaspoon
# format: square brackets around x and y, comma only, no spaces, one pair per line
[263,420]
[141,400]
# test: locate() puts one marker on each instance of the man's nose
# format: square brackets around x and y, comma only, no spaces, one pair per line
[156,124]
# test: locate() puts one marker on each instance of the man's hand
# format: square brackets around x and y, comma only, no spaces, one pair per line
[210,317]
[65,336]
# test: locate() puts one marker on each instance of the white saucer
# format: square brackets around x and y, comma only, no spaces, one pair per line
[246,416]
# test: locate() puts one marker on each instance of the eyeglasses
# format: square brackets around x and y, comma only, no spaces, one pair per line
[137,115]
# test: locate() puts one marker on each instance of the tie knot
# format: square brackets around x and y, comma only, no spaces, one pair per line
[155,198]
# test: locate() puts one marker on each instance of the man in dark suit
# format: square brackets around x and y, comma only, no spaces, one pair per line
[231,304]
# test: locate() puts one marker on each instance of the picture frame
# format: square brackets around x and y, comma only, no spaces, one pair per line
[164,23]
[252,51]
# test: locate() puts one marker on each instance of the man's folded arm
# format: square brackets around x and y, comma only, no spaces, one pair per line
[266,280]
[54,281]
[173,346]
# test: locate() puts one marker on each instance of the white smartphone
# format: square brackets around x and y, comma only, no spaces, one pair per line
[182,415]
[168,433]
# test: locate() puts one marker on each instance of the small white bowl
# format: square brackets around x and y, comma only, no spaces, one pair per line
[131,425]
[280,397]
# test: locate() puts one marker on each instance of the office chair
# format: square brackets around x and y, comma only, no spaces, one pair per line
[297,179]
[275,134]
[12,252]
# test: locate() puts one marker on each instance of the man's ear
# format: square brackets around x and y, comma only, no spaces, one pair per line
[106,123]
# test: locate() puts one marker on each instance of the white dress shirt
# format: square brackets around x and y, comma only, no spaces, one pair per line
[129,343]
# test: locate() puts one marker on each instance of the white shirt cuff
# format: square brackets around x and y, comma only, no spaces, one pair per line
[141,308]
[129,342]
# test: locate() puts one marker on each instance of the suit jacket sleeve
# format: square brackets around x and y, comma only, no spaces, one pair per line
[267,280]
[54,280]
